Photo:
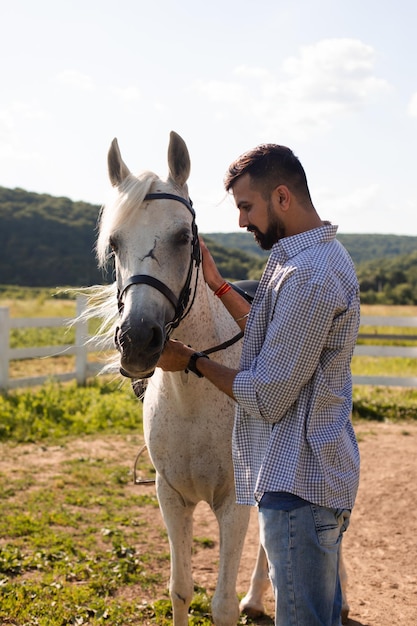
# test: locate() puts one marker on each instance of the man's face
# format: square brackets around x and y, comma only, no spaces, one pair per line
[256,214]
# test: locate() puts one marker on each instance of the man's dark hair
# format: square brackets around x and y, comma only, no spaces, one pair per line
[270,165]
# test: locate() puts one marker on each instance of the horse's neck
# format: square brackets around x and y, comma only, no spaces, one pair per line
[208,323]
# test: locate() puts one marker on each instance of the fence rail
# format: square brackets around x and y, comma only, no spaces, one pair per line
[80,349]
[84,345]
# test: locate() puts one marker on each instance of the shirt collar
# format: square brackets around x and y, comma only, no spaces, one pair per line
[289,247]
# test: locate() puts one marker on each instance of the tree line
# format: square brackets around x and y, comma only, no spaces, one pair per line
[48,241]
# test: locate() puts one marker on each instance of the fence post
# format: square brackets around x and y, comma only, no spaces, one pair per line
[4,347]
[81,337]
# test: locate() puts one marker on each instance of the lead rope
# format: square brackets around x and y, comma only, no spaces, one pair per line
[137,480]
[139,385]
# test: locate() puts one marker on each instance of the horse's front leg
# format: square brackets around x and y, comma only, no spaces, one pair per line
[178,520]
[252,604]
[233,522]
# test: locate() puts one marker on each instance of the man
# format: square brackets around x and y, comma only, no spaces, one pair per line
[294,449]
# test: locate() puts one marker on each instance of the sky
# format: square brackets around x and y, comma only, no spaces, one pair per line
[335,80]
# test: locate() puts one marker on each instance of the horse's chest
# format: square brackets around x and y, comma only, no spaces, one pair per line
[190,438]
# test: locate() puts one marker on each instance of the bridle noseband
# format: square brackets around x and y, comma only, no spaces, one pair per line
[180,303]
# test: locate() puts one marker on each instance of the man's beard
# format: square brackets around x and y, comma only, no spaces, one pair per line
[274,232]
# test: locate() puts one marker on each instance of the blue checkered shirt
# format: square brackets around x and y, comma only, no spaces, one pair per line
[292,429]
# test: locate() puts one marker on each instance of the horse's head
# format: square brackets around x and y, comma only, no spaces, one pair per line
[153,237]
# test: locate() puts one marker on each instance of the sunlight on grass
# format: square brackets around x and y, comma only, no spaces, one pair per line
[383,366]
[384,403]
[389,310]
[78,542]
[39,307]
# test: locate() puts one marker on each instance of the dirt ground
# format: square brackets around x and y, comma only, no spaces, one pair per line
[380,546]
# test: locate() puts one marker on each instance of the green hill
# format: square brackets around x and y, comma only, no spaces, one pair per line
[48,241]
[360,247]
[386,264]
[391,280]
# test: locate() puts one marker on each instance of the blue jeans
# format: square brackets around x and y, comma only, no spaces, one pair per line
[302,547]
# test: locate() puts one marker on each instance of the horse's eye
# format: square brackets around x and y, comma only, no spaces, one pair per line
[182,238]
[112,245]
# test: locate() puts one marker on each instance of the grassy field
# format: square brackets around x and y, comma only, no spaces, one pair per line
[77,541]
[382,403]
[78,544]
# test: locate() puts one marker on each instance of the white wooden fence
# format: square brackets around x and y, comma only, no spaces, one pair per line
[85,369]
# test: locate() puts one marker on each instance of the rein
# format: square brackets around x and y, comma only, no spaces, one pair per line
[247,290]
[225,344]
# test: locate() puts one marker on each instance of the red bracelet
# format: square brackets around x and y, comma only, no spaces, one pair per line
[224,288]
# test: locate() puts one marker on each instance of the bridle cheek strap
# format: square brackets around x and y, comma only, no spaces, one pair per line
[180,303]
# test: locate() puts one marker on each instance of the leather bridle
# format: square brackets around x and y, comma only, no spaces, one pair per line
[181,302]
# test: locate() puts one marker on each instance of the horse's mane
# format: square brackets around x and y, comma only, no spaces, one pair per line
[101,299]
[101,307]
[130,195]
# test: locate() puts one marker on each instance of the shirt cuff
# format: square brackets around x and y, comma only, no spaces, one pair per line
[245,394]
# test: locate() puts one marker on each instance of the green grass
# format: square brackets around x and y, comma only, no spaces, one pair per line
[384,366]
[55,410]
[74,540]
[384,404]
[77,542]
[67,551]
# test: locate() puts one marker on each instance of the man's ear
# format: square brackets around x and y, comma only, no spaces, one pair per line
[282,197]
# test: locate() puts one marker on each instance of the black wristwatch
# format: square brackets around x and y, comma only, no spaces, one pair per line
[192,366]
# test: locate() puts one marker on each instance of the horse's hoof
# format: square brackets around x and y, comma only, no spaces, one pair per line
[251,611]
[345,615]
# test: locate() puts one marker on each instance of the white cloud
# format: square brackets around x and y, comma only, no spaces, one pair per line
[412,106]
[76,80]
[361,210]
[18,110]
[15,154]
[130,93]
[353,202]
[6,121]
[13,142]
[15,117]
[221,92]
[309,92]
[255,72]
[339,72]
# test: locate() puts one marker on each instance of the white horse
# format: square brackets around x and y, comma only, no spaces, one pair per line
[151,231]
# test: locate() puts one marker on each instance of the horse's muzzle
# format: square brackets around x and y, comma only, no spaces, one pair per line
[140,347]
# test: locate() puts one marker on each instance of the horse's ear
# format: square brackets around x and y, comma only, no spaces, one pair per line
[118,170]
[178,159]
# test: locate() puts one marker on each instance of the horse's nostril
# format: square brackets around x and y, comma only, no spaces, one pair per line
[157,338]
[140,339]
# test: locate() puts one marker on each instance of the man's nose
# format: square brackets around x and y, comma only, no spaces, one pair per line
[243,220]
